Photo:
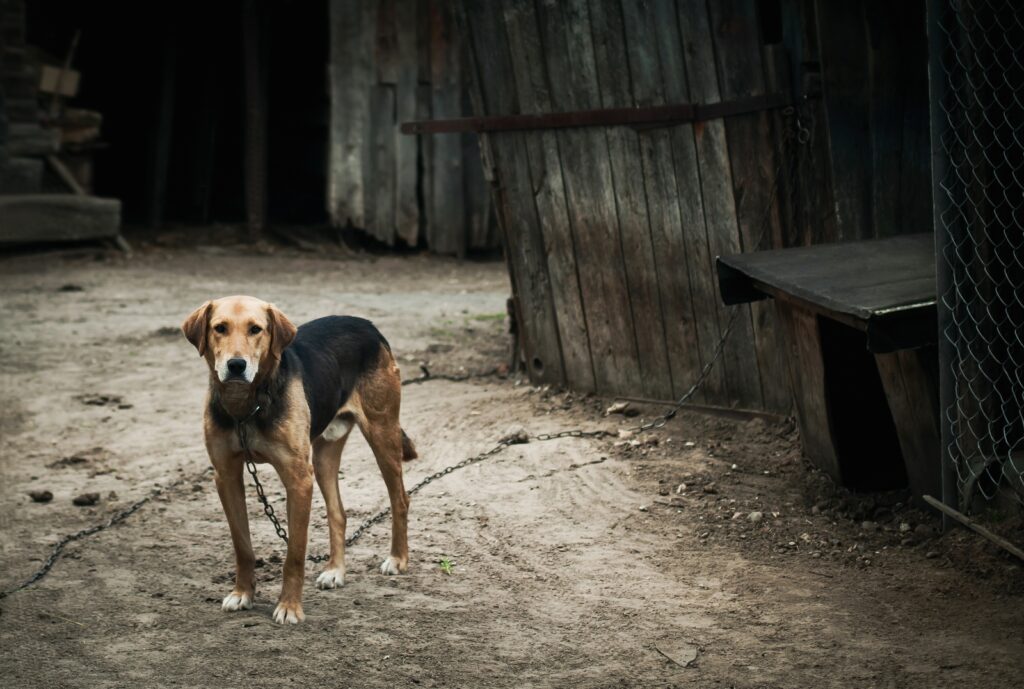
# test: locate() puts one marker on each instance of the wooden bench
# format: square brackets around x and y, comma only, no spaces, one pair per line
[861,330]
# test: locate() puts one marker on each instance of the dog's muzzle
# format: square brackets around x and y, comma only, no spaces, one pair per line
[236,370]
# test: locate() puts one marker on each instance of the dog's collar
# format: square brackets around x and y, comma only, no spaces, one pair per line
[248,417]
[255,410]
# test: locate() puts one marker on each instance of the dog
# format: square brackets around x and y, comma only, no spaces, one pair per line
[299,392]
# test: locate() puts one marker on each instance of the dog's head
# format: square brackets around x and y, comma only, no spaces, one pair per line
[239,336]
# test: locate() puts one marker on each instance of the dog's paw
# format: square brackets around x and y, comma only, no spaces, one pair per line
[392,565]
[331,579]
[288,613]
[236,600]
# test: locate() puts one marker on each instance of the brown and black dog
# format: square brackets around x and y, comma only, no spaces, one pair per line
[299,391]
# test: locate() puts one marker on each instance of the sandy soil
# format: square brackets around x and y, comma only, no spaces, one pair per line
[577,563]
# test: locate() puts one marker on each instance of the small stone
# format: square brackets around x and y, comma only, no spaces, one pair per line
[931,554]
[86,499]
[711,488]
[907,542]
[515,435]
[755,517]
[869,526]
[815,510]
[681,488]
[623,433]
[904,527]
[924,531]
[40,495]
[643,508]
[689,443]
[617,408]
[736,515]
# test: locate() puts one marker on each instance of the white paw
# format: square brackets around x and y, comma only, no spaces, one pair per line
[288,613]
[390,566]
[331,579]
[236,601]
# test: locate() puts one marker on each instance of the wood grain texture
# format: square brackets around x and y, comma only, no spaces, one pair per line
[446,233]
[513,195]
[910,380]
[586,170]
[379,172]
[695,252]
[352,32]
[546,172]
[806,369]
[845,81]
[742,377]
[643,279]
[407,211]
[755,165]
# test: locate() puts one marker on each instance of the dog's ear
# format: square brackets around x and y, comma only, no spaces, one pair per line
[282,331]
[196,325]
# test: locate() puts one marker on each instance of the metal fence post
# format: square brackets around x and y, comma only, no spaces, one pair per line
[939,162]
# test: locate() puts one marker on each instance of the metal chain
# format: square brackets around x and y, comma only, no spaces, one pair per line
[797,130]
[116,518]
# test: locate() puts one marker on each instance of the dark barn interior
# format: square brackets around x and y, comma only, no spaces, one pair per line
[171,92]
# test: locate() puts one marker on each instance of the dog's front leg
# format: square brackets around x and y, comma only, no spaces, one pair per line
[228,477]
[297,476]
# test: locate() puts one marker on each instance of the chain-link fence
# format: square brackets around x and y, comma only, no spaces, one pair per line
[977,81]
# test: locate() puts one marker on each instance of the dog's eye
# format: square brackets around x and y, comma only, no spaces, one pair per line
[255,330]
[220,328]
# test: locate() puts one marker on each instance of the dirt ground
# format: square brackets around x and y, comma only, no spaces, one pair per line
[576,562]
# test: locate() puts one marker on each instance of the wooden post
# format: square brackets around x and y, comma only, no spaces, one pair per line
[254,54]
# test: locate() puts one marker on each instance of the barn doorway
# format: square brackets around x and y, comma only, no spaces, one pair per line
[168,82]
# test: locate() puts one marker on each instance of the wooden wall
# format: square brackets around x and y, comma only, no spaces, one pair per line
[395,61]
[611,232]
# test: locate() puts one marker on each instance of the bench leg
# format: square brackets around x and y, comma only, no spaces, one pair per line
[910,379]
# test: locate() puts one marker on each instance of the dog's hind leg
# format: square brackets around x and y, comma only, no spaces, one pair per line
[385,439]
[326,460]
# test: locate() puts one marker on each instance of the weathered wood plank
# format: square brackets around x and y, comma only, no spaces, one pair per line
[844,65]
[386,46]
[587,174]
[755,165]
[546,167]
[513,196]
[407,212]
[447,232]
[352,32]
[380,173]
[910,380]
[814,209]
[739,354]
[807,378]
[695,256]
[639,258]
[57,217]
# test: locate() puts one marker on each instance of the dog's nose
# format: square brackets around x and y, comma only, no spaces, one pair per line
[236,366]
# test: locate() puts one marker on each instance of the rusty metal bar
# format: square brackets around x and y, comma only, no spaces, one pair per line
[658,115]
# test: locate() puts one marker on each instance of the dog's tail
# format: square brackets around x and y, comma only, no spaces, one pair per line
[408,449]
